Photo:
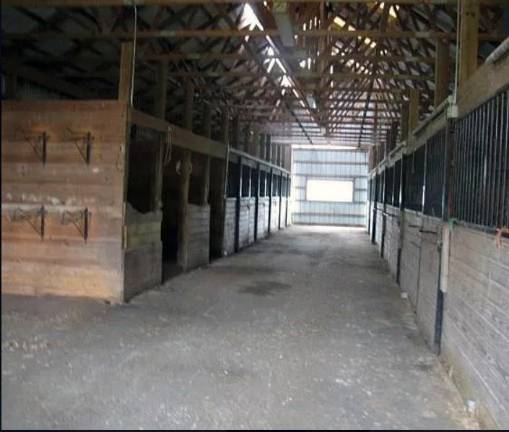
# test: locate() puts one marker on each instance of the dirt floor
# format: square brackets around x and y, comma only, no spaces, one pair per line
[303,330]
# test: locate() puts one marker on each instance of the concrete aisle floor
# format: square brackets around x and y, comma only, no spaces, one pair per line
[304,330]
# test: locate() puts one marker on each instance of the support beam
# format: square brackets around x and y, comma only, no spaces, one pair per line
[280,181]
[219,169]
[207,130]
[268,148]
[183,210]
[269,184]
[11,85]
[442,68]
[235,141]
[404,121]
[85,3]
[184,183]
[261,146]
[126,80]
[469,39]
[159,110]
[257,201]
[413,110]
[188,105]
[230,33]
[237,205]
[161,89]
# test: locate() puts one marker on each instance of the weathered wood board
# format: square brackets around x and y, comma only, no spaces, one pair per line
[62,197]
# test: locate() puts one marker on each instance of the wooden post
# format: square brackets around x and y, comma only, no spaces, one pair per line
[218,191]
[159,107]
[159,110]
[235,141]
[261,146]
[11,85]
[413,110]
[268,148]
[288,183]
[185,179]
[237,206]
[280,180]
[126,72]
[247,136]
[188,105]
[404,124]
[442,67]
[257,201]
[183,210]
[207,131]
[270,198]
[469,39]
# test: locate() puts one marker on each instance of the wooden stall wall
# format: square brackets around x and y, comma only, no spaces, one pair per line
[245,221]
[274,215]
[62,197]
[199,235]
[456,269]
[229,227]
[475,341]
[392,239]
[263,217]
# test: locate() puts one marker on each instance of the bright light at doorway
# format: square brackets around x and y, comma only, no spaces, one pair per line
[329,190]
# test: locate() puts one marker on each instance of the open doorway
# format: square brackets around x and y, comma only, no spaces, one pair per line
[142,260]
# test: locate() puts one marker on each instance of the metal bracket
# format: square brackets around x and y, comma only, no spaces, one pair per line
[31,217]
[82,141]
[79,218]
[37,140]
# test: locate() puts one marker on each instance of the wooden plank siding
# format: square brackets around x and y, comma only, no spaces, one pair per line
[62,262]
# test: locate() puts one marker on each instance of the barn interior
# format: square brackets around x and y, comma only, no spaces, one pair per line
[249,214]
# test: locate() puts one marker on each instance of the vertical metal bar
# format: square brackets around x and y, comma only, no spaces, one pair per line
[505,163]
[479,165]
[469,168]
[456,190]
[424,177]
[464,165]
[483,174]
[491,169]
[498,126]
[472,170]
